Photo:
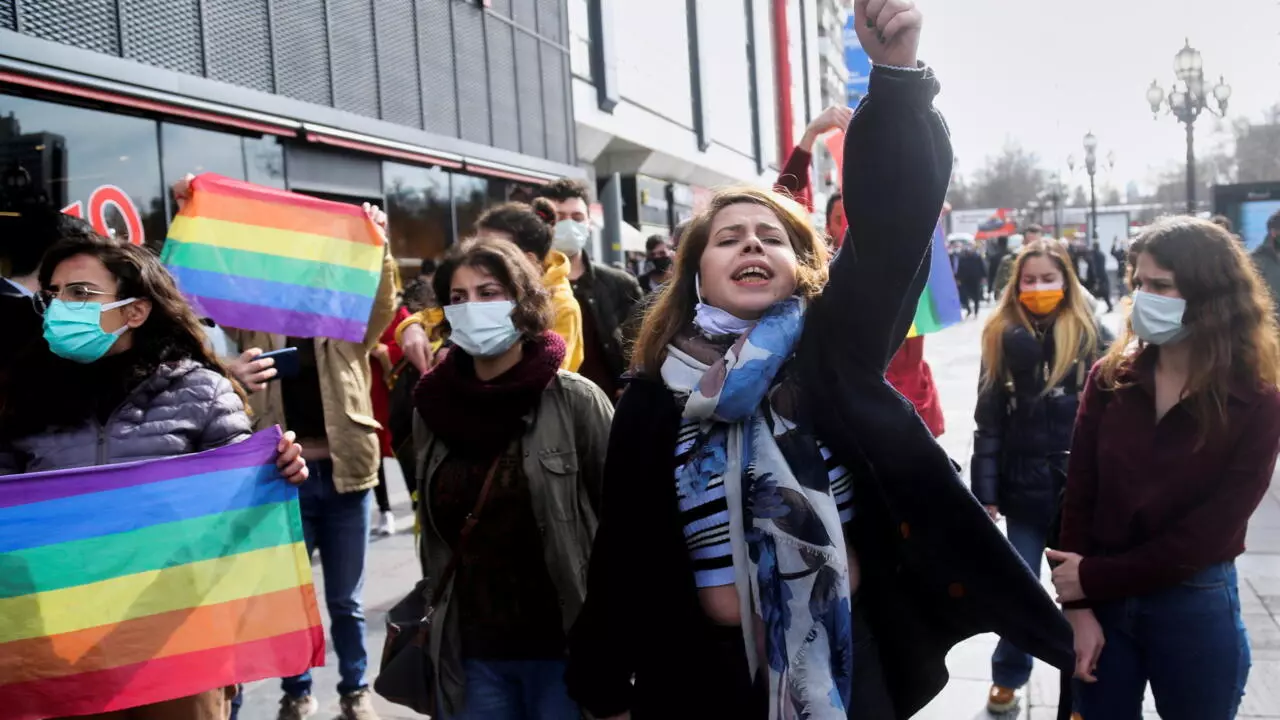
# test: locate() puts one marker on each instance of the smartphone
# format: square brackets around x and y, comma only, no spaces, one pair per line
[286,362]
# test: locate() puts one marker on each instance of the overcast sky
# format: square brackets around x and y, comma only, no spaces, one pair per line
[1045,72]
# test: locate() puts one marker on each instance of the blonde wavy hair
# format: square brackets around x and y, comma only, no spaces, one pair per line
[1075,334]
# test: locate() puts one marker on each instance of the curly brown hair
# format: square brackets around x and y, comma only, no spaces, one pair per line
[507,264]
[1230,316]
[673,309]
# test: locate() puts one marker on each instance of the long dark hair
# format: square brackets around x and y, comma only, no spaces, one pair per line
[1230,316]
[45,390]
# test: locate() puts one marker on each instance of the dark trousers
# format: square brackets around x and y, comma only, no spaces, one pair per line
[1188,641]
[337,525]
[1011,667]
[970,296]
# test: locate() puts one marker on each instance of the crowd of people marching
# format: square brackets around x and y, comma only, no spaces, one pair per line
[693,494]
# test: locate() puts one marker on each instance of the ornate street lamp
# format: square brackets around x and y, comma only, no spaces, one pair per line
[1186,102]
[1091,165]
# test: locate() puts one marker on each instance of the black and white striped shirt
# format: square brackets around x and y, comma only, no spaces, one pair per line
[705,518]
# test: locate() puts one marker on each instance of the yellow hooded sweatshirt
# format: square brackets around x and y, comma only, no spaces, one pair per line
[568,316]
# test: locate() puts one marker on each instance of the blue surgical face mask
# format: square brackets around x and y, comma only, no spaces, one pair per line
[76,333]
[1157,319]
[571,237]
[482,329]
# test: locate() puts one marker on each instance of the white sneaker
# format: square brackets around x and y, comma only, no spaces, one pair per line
[388,526]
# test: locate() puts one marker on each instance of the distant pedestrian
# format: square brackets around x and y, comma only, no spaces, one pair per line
[997,251]
[1030,236]
[1267,259]
[1099,282]
[970,271]
[660,258]
[1174,448]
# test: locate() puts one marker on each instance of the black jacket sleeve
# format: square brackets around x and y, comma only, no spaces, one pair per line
[607,639]
[930,555]
[898,167]
[988,439]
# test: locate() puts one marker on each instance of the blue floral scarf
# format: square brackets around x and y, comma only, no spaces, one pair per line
[789,556]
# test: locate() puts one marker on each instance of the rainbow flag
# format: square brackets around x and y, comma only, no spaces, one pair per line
[939,305]
[257,258]
[130,584]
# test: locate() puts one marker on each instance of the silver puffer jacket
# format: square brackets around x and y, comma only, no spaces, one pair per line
[183,408]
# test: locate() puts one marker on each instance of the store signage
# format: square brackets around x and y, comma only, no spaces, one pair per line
[99,199]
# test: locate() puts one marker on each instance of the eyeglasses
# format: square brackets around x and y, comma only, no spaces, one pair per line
[74,296]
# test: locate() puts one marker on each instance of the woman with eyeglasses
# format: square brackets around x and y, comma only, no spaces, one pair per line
[123,375]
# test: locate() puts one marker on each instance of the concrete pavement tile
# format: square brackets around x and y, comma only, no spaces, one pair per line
[1264,634]
[1044,685]
[971,660]
[1262,694]
[1263,585]
[1258,565]
[965,700]
[1040,713]
[1263,538]
[1268,512]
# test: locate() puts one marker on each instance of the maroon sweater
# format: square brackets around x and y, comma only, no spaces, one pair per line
[1145,508]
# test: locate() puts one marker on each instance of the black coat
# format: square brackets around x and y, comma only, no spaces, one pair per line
[608,298]
[935,570]
[20,326]
[971,270]
[1020,428]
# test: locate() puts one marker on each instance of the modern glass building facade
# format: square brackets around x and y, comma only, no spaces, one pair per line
[433,108]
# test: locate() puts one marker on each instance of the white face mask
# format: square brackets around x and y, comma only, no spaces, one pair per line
[571,237]
[1158,319]
[482,329]
[713,321]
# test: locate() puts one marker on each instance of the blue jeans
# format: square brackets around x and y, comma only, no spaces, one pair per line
[1189,641]
[516,690]
[337,524]
[1010,667]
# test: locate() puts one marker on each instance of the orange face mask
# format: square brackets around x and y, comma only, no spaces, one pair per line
[1041,302]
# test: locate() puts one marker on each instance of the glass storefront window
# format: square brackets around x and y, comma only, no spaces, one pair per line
[501,191]
[264,161]
[419,212]
[104,167]
[470,200]
[193,150]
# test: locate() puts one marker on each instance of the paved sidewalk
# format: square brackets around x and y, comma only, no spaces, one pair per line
[954,356]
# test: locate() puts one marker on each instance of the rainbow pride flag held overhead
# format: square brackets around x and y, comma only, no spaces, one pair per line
[125,585]
[257,258]
[939,305]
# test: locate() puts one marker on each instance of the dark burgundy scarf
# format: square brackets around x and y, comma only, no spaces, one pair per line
[479,419]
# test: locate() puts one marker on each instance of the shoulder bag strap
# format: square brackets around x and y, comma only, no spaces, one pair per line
[473,518]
